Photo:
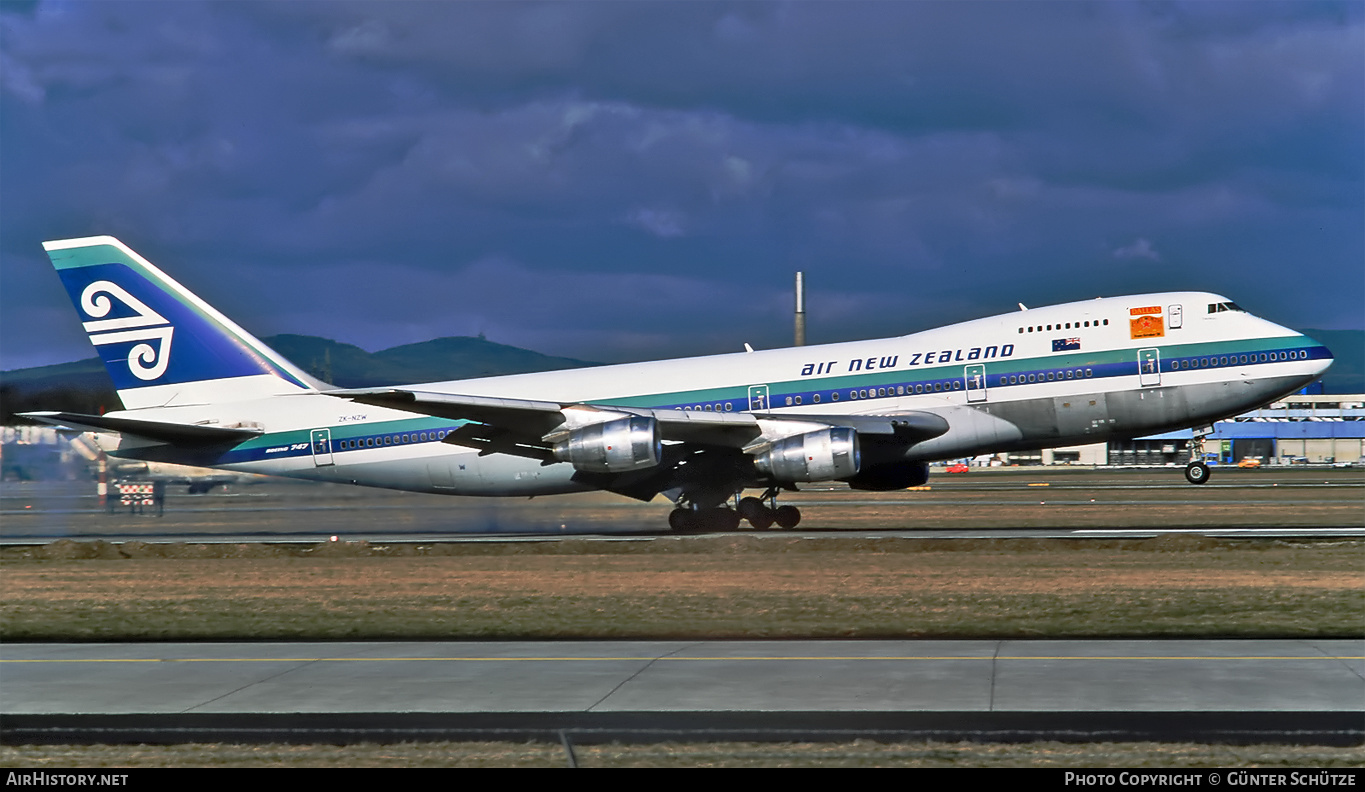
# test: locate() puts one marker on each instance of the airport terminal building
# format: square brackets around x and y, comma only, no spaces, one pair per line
[1299,429]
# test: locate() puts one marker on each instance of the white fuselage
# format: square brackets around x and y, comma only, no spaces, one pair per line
[1059,375]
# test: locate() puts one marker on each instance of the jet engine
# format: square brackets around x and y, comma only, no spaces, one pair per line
[825,455]
[613,446]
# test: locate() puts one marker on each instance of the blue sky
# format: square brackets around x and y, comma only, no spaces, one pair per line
[626,180]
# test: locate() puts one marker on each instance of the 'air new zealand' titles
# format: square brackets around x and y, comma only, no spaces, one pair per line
[197,389]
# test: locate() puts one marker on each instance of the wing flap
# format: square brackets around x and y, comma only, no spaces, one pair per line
[732,430]
[913,425]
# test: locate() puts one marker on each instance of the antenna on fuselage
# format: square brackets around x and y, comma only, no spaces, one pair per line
[800,330]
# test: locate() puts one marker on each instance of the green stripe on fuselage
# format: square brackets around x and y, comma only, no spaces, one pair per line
[739,394]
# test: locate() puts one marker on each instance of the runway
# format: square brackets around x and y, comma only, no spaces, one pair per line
[1310,691]
[1021,502]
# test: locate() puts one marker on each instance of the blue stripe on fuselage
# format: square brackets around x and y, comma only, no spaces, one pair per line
[353,438]
[896,384]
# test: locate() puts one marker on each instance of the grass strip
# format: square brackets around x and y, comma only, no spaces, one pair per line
[690,588]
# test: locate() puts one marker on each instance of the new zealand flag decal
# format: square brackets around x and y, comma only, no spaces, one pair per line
[1063,344]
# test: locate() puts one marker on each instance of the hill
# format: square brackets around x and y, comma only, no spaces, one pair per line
[84,386]
[459,357]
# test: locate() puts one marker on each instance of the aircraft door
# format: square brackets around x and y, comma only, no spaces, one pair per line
[975,379]
[322,447]
[1174,316]
[1149,367]
[758,398]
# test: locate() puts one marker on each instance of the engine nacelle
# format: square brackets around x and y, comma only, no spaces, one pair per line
[613,446]
[895,476]
[825,455]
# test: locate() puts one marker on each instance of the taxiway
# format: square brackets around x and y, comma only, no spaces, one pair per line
[1236,690]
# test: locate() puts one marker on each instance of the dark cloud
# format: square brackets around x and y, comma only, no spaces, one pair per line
[630,180]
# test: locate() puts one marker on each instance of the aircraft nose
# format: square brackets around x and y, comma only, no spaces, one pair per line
[1318,353]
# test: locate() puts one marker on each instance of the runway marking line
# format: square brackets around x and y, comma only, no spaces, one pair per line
[650,659]
[1252,530]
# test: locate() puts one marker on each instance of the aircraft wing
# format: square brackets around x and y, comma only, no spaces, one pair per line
[520,426]
[529,417]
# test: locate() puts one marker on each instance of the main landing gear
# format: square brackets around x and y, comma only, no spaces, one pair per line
[687,517]
[763,516]
[1197,471]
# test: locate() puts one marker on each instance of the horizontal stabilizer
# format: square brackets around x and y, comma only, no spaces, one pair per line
[159,431]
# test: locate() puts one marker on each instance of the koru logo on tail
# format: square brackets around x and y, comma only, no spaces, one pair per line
[144,361]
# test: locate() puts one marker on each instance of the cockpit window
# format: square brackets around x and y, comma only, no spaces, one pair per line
[1225,306]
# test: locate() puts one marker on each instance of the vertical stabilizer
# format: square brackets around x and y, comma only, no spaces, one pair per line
[161,344]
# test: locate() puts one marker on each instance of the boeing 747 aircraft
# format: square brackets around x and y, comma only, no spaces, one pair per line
[199,390]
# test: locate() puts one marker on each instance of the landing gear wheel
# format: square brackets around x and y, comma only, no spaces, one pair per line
[682,520]
[1196,472]
[787,517]
[750,506]
[722,520]
[758,515]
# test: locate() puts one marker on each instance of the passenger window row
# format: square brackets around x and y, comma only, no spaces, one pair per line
[1046,376]
[396,438]
[1233,360]
[1062,326]
[799,399]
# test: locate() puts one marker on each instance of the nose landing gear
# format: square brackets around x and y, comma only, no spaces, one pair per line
[1197,471]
